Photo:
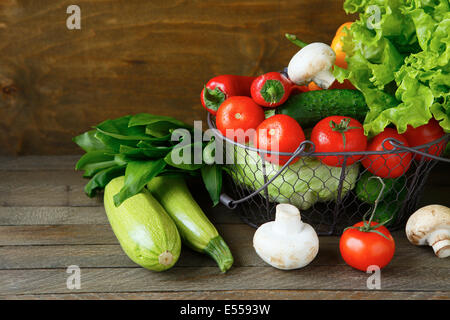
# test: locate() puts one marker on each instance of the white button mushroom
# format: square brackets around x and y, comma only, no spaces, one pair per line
[313,63]
[430,225]
[286,243]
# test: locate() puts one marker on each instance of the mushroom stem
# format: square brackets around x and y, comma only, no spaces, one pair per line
[440,241]
[314,62]
[287,220]
[286,243]
[430,225]
[324,79]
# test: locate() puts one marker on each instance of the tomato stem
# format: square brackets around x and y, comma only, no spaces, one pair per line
[342,127]
[367,225]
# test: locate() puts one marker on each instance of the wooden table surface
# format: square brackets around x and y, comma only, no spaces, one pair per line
[47,224]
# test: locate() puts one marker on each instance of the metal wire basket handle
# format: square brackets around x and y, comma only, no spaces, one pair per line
[231,203]
[399,146]
[300,151]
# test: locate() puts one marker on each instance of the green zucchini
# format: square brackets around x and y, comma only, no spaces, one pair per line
[145,231]
[195,229]
[308,108]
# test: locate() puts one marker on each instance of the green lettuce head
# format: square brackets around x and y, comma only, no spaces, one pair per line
[302,184]
[398,57]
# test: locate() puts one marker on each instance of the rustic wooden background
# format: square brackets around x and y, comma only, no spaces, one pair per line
[135,56]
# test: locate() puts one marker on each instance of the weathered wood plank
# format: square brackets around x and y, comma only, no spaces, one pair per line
[97,256]
[57,248]
[393,278]
[244,295]
[63,234]
[74,234]
[33,163]
[16,216]
[139,57]
[44,188]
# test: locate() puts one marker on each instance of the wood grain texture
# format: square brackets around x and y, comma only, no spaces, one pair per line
[15,216]
[135,56]
[53,225]
[243,295]
[104,251]
[209,278]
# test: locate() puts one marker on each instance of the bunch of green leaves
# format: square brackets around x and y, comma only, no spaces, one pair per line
[141,147]
[398,56]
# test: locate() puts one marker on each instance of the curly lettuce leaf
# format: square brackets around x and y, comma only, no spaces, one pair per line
[400,62]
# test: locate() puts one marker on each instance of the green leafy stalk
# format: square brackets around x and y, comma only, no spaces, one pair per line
[137,175]
[212,178]
[140,147]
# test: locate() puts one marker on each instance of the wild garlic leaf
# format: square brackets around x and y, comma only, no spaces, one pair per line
[102,178]
[88,141]
[212,178]
[137,175]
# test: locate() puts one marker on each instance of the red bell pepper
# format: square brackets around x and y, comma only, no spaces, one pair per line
[273,89]
[220,88]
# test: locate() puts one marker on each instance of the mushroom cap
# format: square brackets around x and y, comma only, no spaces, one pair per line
[310,60]
[286,251]
[426,220]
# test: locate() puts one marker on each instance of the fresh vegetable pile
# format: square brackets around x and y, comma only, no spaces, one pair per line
[373,85]
[277,111]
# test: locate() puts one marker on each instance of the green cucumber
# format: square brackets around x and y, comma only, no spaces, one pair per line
[145,231]
[387,211]
[368,189]
[390,204]
[195,229]
[308,108]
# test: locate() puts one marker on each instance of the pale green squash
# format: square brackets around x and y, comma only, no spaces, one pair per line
[145,231]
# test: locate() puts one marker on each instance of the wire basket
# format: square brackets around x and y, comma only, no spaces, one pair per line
[329,198]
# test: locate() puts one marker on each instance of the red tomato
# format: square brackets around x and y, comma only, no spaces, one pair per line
[387,165]
[338,134]
[238,117]
[361,249]
[279,133]
[426,134]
